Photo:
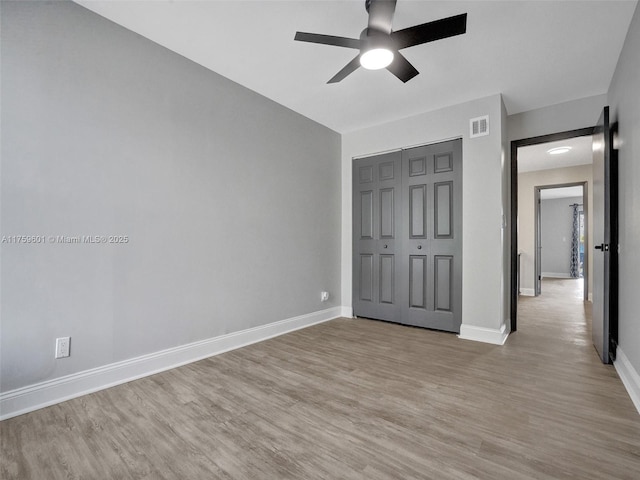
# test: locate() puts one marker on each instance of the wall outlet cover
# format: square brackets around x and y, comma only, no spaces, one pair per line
[63,347]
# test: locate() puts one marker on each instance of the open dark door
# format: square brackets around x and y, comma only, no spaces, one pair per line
[538,244]
[605,211]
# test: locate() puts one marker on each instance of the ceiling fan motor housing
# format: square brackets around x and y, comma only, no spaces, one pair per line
[371,38]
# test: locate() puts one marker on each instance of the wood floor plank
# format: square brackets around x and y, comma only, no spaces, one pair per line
[355,399]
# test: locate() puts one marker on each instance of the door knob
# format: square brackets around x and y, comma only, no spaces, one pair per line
[384,246]
[419,247]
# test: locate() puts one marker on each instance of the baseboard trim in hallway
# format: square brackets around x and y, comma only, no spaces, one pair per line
[33,397]
[629,376]
[486,335]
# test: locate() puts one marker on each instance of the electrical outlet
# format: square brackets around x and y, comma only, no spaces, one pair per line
[324,296]
[63,347]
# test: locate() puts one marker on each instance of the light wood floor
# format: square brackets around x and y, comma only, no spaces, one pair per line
[354,399]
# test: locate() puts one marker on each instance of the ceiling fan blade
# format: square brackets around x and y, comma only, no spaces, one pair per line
[349,68]
[401,68]
[429,32]
[381,14]
[328,40]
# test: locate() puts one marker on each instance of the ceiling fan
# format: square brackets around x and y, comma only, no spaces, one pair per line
[380,46]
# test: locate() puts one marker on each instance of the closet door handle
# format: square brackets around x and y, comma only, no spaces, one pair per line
[419,247]
[384,246]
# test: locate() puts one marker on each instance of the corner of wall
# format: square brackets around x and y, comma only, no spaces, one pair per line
[629,376]
[506,218]
[624,100]
[346,312]
[495,336]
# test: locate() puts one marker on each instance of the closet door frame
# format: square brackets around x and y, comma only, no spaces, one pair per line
[430,250]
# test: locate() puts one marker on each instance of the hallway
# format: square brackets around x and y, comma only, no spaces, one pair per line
[559,314]
[578,404]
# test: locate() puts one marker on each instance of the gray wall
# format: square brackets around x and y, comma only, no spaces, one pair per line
[561,117]
[506,215]
[556,217]
[624,100]
[231,202]
[482,199]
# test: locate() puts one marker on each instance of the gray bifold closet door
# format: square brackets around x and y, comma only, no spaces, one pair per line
[407,236]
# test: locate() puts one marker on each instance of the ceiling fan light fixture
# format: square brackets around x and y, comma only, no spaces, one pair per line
[376,58]
[379,44]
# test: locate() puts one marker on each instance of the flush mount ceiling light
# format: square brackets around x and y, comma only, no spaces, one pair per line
[558,150]
[380,45]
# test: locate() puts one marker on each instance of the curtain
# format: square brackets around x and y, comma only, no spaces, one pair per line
[575,243]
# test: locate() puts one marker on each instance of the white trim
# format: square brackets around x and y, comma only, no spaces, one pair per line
[346,312]
[527,292]
[507,327]
[556,275]
[482,334]
[629,376]
[43,394]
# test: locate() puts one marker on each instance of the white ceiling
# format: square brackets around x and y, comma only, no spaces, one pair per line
[535,53]
[536,157]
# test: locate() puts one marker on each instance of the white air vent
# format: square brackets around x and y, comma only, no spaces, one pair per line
[479,126]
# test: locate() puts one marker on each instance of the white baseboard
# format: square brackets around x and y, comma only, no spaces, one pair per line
[482,334]
[33,397]
[346,312]
[556,275]
[507,326]
[527,292]
[629,376]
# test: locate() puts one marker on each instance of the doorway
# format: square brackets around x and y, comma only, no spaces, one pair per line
[544,148]
[604,228]
[561,234]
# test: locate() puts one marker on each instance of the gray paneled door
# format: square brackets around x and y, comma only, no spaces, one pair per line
[376,236]
[407,248]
